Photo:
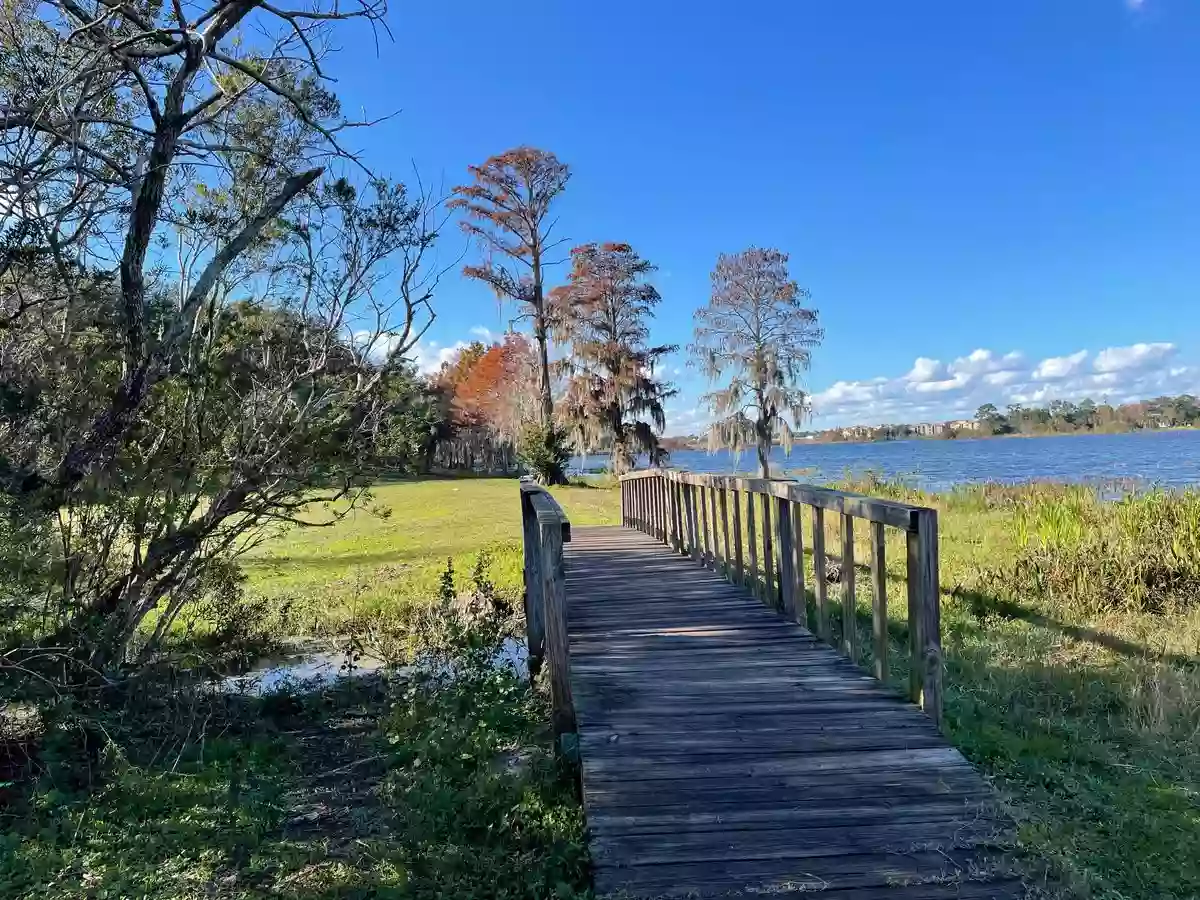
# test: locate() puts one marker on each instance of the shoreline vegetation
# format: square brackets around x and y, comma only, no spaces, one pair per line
[1072,641]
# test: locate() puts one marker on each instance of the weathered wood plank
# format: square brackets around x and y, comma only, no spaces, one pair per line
[700,794]
[558,657]
[931,612]
[727,559]
[636,850]
[752,543]
[819,575]
[784,538]
[879,613]
[768,586]
[693,527]
[738,567]
[849,605]
[726,751]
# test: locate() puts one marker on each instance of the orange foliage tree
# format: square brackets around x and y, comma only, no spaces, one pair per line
[492,391]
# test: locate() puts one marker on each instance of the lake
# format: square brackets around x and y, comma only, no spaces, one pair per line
[1168,458]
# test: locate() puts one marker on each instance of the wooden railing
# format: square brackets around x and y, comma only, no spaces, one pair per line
[691,513]
[545,528]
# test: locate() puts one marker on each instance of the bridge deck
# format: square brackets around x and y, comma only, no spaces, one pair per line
[726,751]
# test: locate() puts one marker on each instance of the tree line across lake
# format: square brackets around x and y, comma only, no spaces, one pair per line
[1058,417]
[1065,417]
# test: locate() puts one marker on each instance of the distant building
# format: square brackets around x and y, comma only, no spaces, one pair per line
[858,433]
[927,428]
[964,425]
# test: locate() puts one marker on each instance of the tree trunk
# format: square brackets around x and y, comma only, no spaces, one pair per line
[539,333]
[762,430]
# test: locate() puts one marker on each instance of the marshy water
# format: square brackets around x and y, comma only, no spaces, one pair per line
[311,665]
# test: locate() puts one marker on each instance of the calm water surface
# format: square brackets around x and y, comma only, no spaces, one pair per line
[1168,458]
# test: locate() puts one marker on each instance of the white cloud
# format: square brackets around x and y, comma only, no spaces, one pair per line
[429,355]
[980,362]
[1059,366]
[932,391]
[693,420]
[961,379]
[926,369]
[485,334]
[1119,359]
[853,391]
[1001,378]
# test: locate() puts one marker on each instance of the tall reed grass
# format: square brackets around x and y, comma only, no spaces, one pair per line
[1141,552]
[1076,548]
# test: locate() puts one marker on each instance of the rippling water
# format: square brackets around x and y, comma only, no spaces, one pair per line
[1168,458]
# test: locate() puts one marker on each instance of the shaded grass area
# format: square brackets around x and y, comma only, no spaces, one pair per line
[391,552]
[370,790]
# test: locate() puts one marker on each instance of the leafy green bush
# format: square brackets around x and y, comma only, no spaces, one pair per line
[544,451]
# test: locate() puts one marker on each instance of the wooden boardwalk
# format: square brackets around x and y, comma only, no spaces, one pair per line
[726,751]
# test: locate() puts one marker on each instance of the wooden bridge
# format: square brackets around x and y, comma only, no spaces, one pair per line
[725,748]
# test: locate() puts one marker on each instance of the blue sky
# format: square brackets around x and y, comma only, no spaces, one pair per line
[1017,180]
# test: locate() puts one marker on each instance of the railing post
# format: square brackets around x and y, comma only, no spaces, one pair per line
[738,568]
[656,503]
[664,492]
[752,542]
[821,585]
[768,552]
[849,606]
[652,507]
[693,526]
[924,615]
[728,556]
[558,652]
[681,502]
[637,503]
[535,633]
[712,517]
[671,512]
[668,489]
[787,570]
[797,514]
[879,617]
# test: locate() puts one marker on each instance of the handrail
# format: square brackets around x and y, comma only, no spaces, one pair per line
[690,512]
[545,528]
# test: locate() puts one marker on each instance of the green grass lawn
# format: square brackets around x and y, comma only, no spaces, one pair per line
[393,550]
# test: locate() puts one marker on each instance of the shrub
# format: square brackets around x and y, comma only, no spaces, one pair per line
[544,451]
